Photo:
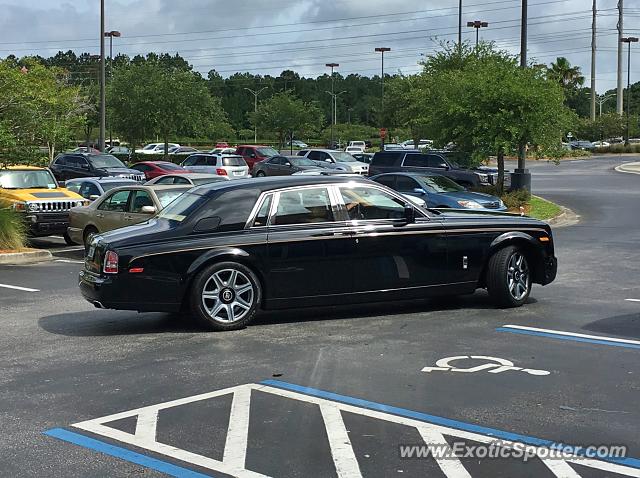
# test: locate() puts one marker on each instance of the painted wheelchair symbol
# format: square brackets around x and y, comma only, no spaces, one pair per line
[492,365]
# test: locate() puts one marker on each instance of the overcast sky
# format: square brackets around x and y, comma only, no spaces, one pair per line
[267,36]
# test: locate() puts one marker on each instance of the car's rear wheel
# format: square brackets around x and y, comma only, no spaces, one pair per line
[225,296]
[88,234]
[260,174]
[509,277]
[68,240]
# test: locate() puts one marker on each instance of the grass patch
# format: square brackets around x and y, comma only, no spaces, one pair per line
[12,230]
[542,209]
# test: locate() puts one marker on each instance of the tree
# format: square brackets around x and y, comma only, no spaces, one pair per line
[286,115]
[569,77]
[481,100]
[148,99]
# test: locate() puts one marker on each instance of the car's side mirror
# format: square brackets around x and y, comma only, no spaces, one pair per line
[84,166]
[409,214]
[93,197]
[420,191]
[148,210]
[288,164]
[252,155]
[327,160]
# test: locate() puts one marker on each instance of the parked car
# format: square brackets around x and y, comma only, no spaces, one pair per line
[155,148]
[582,145]
[118,150]
[439,191]
[363,157]
[392,147]
[432,162]
[120,207]
[222,151]
[357,144]
[225,250]
[194,179]
[601,144]
[82,165]
[284,166]
[222,144]
[153,169]
[84,149]
[36,195]
[93,188]
[297,144]
[338,160]
[253,154]
[422,144]
[232,166]
[354,150]
[182,150]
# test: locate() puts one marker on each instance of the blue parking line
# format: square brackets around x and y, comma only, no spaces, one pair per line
[124,454]
[568,337]
[447,422]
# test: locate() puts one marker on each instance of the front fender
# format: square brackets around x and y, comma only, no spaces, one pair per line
[512,236]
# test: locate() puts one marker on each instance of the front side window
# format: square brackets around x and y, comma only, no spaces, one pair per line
[89,189]
[117,202]
[75,187]
[267,152]
[342,157]
[416,161]
[365,203]
[406,184]
[140,199]
[436,161]
[190,161]
[304,206]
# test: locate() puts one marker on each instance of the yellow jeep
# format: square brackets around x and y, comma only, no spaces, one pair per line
[35,193]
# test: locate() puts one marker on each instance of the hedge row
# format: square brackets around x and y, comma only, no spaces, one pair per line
[620,148]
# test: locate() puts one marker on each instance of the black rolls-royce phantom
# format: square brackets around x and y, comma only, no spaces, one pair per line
[224,250]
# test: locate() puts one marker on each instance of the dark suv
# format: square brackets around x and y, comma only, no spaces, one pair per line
[83,165]
[432,162]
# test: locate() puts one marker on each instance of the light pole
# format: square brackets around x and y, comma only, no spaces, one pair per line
[603,99]
[102,81]
[628,40]
[477,24]
[382,50]
[333,114]
[255,110]
[521,177]
[334,102]
[110,35]
[460,25]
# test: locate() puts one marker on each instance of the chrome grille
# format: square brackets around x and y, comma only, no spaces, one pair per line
[51,206]
[135,177]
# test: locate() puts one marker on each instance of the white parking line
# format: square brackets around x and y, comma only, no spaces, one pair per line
[25,289]
[632,300]
[572,334]
[69,261]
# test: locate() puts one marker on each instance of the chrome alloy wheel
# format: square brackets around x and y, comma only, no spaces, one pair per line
[518,277]
[228,295]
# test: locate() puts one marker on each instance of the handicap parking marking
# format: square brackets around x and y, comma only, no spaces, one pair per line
[431,428]
[572,336]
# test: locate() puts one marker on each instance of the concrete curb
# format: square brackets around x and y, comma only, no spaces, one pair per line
[26,257]
[629,168]
[565,219]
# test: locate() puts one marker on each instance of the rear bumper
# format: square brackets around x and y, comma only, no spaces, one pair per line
[115,292]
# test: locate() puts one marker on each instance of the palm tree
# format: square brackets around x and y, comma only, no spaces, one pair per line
[570,77]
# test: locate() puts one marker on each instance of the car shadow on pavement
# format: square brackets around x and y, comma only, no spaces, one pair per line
[626,326]
[114,323]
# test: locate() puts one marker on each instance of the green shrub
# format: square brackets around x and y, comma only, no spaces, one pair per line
[620,148]
[516,199]
[12,229]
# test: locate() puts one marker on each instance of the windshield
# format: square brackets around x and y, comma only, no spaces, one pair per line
[233,161]
[267,152]
[180,209]
[101,161]
[440,184]
[149,146]
[298,161]
[167,197]
[27,179]
[343,157]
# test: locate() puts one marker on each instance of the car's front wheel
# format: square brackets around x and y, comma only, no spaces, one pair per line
[225,296]
[509,277]
[260,174]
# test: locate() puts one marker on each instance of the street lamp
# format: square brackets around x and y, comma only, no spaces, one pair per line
[602,99]
[333,114]
[477,24]
[628,40]
[335,105]
[110,35]
[255,110]
[382,50]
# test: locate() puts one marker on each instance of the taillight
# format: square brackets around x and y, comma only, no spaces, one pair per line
[110,263]
[221,172]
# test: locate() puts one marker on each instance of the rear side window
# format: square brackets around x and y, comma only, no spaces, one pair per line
[233,161]
[415,160]
[305,206]
[385,159]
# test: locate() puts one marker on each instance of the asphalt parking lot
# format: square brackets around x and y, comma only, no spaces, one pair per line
[338,391]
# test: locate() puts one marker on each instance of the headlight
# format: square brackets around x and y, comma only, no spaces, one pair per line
[19,206]
[470,204]
[484,178]
[501,203]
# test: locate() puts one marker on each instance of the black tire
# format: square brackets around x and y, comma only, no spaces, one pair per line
[260,174]
[68,240]
[213,312]
[88,233]
[508,284]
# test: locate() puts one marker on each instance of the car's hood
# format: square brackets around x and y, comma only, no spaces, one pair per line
[460,216]
[357,166]
[471,196]
[58,194]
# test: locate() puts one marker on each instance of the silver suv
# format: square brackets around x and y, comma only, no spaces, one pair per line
[230,165]
[338,160]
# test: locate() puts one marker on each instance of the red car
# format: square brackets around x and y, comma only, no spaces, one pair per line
[253,154]
[153,169]
[222,144]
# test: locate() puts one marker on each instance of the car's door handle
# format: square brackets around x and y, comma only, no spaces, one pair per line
[128,218]
[100,215]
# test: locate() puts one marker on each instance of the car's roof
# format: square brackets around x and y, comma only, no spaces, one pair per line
[23,168]
[190,175]
[253,146]
[407,173]
[156,187]
[105,179]
[325,150]
[275,182]
[154,162]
